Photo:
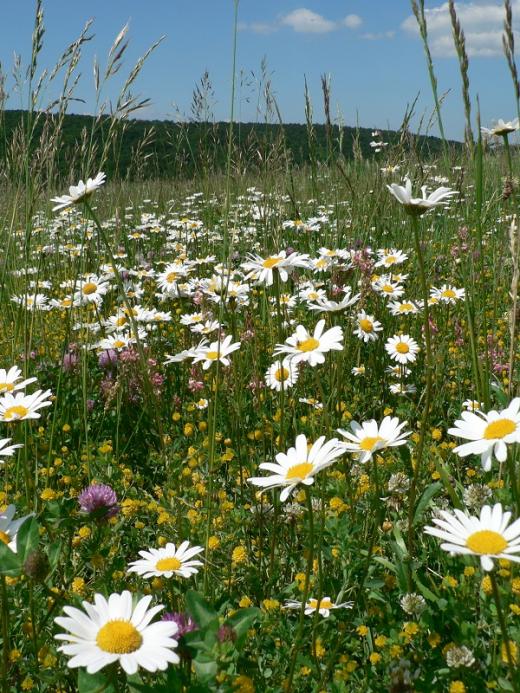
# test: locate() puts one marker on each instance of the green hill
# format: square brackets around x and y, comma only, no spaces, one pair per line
[165,149]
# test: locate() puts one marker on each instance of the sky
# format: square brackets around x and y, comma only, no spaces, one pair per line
[370,49]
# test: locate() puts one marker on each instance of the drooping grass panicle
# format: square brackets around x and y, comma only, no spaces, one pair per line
[508,44]
[460,47]
[420,16]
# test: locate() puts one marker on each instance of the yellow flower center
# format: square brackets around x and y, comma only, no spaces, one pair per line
[281,375]
[171,277]
[321,604]
[368,443]
[402,347]
[448,293]
[308,344]
[390,259]
[271,262]
[486,541]
[6,387]
[4,537]
[119,344]
[404,307]
[66,302]
[212,355]
[121,321]
[119,637]
[299,471]
[15,412]
[366,325]
[388,288]
[499,429]
[89,288]
[168,564]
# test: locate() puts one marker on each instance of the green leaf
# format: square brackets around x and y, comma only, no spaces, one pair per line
[94,683]
[205,667]
[241,622]
[426,593]
[53,553]
[27,538]
[431,491]
[10,564]
[198,608]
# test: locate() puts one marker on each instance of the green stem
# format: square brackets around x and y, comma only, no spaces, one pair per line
[427,397]
[152,400]
[211,458]
[310,560]
[5,636]
[505,635]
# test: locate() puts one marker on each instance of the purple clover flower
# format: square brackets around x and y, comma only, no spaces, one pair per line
[99,500]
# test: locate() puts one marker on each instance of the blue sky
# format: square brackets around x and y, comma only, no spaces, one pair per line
[369,47]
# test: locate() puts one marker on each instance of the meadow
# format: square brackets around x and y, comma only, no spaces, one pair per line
[260,426]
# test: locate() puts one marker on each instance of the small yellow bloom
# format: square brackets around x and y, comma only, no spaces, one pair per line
[78,586]
[271,604]
[486,585]
[239,555]
[457,687]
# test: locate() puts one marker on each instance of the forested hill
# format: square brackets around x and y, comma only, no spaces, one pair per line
[153,148]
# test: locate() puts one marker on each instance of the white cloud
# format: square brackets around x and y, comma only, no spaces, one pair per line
[352,21]
[482,23]
[306,21]
[303,21]
[378,36]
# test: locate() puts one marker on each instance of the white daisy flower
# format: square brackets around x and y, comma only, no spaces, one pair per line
[402,348]
[403,308]
[32,303]
[447,294]
[301,346]
[501,129]
[281,375]
[312,294]
[8,450]
[367,327]
[19,406]
[261,270]
[419,205]
[369,437]
[114,630]
[299,465]
[487,536]
[79,192]
[9,526]
[402,389]
[389,258]
[324,606]
[91,289]
[489,434]
[327,306]
[387,287]
[358,371]
[168,561]
[216,351]
[472,404]
[8,380]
